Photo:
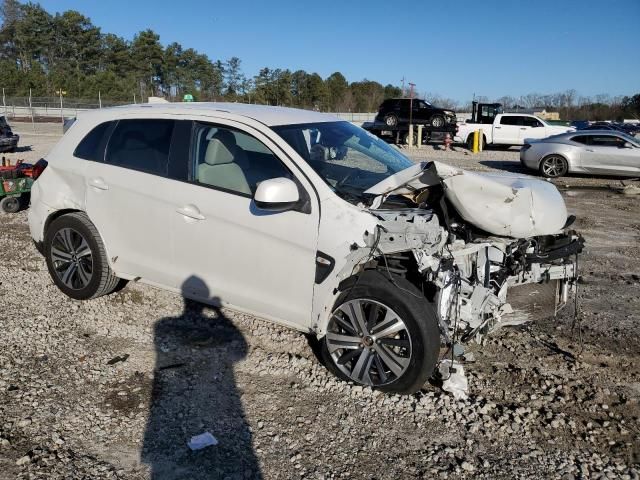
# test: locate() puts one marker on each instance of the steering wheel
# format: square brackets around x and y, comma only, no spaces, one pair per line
[353,174]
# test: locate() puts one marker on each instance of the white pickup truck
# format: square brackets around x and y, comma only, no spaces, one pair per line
[509,129]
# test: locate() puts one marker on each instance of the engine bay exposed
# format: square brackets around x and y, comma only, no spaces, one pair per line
[466,272]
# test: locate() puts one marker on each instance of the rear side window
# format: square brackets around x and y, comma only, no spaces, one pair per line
[511,120]
[92,146]
[584,139]
[141,145]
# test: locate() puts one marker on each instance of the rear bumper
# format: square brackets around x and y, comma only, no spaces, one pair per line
[37,216]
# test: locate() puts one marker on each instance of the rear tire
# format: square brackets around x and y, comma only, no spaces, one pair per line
[10,204]
[76,258]
[470,142]
[399,361]
[553,166]
[391,120]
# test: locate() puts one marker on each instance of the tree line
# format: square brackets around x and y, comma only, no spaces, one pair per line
[44,54]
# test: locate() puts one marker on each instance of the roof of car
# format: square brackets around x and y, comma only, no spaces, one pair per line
[271,116]
[595,132]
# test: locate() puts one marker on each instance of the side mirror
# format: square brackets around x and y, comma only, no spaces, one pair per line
[276,194]
[627,145]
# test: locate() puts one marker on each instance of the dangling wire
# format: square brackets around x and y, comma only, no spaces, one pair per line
[576,311]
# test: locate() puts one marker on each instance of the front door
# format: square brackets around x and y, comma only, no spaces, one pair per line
[531,128]
[508,131]
[607,155]
[229,251]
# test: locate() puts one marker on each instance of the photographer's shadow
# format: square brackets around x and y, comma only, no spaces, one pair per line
[194,391]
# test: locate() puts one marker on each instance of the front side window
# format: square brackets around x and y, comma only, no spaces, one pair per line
[531,122]
[606,141]
[141,145]
[231,160]
[349,159]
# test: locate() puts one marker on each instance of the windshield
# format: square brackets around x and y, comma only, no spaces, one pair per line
[349,159]
[629,138]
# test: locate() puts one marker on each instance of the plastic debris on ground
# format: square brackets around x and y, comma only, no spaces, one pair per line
[454,380]
[201,441]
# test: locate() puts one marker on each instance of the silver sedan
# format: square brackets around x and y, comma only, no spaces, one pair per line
[597,152]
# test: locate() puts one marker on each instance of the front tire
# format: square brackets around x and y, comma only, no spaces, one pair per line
[553,166]
[383,333]
[437,121]
[76,258]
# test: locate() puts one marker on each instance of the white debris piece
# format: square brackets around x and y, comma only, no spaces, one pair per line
[202,441]
[454,380]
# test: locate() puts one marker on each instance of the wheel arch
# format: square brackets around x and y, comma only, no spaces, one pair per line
[411,275]
[555,154]
[66,211]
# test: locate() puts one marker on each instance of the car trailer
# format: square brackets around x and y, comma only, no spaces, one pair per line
[399,134]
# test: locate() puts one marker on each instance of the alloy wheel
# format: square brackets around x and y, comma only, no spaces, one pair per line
[554,166]
[72,258]
[437,122]
[369,342]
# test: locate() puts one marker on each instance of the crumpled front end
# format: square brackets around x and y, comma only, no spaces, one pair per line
[471,280]
[477,281]
[473,244]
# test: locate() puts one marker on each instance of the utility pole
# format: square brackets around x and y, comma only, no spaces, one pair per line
[403,94]
[411,85]
[31,108]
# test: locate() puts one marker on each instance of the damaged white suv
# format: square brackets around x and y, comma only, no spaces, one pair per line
[302,219]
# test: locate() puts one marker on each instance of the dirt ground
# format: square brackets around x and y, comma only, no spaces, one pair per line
[115,387]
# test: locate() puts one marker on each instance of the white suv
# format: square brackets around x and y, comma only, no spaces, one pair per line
[302,219]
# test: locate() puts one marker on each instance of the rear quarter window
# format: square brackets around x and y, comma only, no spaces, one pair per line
[584,139]
[92,146]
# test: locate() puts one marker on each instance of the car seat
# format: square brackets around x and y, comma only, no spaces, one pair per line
[222,160]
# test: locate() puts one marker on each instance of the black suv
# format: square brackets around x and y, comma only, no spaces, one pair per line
[395,111]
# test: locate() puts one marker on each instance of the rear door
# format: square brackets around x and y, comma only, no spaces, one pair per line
[128,198]
[507,132]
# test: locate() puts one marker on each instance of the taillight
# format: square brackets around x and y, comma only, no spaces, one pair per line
[38,168]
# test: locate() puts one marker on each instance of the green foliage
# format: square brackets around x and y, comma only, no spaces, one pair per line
[47,53]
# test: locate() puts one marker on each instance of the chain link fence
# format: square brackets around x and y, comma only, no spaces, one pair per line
[46,110]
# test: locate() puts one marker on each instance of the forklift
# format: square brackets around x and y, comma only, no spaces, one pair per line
[485,113]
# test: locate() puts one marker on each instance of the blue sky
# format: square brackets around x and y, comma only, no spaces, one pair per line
[454,49]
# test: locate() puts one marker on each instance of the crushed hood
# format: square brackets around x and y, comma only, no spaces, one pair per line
[500,204]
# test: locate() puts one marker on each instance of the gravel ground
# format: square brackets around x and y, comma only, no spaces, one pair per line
[115,387]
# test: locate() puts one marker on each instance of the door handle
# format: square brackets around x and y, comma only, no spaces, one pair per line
[523,128]
[98,183]
[191,211]
[589,150]
[497,128]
